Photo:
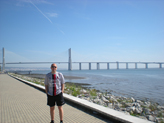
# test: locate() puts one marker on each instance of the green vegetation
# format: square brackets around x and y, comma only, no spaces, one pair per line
[159,114]
[134,114]
[123,105]
[93,92]
[72,89]
[153,107]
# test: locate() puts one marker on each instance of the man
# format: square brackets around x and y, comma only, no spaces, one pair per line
[54,87]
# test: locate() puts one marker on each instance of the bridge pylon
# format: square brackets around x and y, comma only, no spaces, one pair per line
[3,67]
[69,59]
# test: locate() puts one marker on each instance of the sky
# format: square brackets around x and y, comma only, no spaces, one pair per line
[95,30]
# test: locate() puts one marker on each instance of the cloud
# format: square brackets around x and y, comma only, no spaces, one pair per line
[40,11]
[44,2]
[52,14]
[20,3]
[62,32]
[36,1]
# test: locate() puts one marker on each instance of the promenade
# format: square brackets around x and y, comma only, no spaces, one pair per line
[21,103]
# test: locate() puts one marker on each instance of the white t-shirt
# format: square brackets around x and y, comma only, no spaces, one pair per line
[54,83]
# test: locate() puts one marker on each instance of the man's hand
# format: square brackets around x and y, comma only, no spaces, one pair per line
[46,88]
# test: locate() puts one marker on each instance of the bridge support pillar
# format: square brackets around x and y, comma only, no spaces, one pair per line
[126,65]
[3,67]
[79,66]
[146,65]
[117,65]
[98,66]
[160,65]
[69,60]
[89,66]
[135,65]
[107,66]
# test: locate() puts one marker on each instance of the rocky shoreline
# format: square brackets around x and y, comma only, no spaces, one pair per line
[130,106]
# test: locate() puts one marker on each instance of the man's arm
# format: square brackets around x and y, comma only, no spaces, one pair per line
[62,83]
[62,88]
[46,88]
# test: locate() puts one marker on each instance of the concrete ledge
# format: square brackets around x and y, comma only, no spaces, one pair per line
[113,114]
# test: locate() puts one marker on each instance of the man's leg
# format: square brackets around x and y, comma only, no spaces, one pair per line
[60,112]
[52,112]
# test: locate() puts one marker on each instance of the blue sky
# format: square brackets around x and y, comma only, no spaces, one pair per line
[96,30]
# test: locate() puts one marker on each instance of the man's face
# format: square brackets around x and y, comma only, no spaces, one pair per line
[53,67]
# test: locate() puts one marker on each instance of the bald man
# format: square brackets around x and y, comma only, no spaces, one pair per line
[54,87]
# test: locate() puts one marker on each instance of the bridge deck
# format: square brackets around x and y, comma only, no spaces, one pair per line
[20,103]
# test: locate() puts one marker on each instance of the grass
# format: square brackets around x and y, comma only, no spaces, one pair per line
[153,107]
[124,105]
[159,114]
[134,114]
[93,92]
[73,89]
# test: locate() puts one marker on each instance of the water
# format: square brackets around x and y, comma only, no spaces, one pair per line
[138,83]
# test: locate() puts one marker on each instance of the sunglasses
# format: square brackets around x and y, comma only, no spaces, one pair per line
[53,67]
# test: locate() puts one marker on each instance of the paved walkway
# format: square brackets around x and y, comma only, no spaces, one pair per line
[20,103]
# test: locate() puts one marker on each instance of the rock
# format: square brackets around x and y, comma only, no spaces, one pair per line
[141,103]
[112,99]
[86,95]
[116,106]
[124,98]
[159,120]
[126,112]
[142,117]
[101,102]
[131,112]
[160,107]
[83,91]
[132,99]
[147,103]
[123,109]
[110,105]
[151,118]
[105,100]
[99,94]
[129,100]
[87,98]
[130,109]
[79,96]
[147,111]
[129,104]
[138,110]
[136,104]
[107,97]
[98,101]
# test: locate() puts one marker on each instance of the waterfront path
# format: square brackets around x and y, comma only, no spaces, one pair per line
[21,103]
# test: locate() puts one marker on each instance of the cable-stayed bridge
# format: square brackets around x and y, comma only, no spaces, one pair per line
[80,63]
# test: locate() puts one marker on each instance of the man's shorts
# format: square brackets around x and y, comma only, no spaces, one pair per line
[58,99]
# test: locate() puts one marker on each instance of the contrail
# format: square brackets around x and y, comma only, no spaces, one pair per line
[41,12]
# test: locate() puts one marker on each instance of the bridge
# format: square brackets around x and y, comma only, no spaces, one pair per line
[80,63]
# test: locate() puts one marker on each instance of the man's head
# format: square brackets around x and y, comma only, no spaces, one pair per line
[53,68]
